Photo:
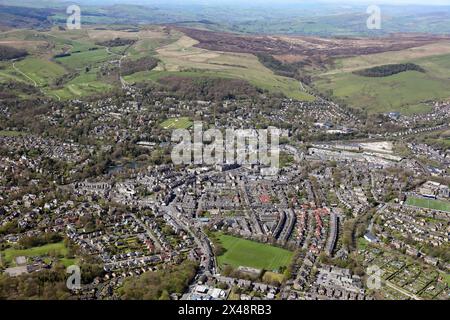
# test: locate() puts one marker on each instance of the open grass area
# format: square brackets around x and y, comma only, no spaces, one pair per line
[405,92]
[83,59]
[402,92]
[428,203]
[362,243]
[241,252]
[40,70]
[6,133]
[177,123]
[68,262]
[83,85]
[42,251]
[36,71]
[177,53]
[346,65]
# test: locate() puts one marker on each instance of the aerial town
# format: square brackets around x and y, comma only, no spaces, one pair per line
[334,208]
[94,207]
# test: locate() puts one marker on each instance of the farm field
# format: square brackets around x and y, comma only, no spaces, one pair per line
[32,70]
[177,123]
[9,254]
[346,65]
[241,252]
[83,85]
[405,92]
[428,203]
[87,58]
[401,92]
[179,55]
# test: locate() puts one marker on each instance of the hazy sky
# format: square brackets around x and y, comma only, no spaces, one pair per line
[207,2]
[425,2]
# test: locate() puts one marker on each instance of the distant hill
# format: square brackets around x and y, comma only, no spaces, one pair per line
[288,18]
[21,17]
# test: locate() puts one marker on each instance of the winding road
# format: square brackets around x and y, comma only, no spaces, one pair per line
[25,75]
[34,82]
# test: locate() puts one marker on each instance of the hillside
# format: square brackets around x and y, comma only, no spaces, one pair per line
[405,92]
[84,62]
[65,64]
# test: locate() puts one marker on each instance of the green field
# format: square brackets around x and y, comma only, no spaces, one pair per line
[83,85]
[5,133]
[428,203]
[177,54]
[9,254]
[241,252]
[405,92]
[177,123]
[33,70]
[87,58]
[362,243]
[41,70]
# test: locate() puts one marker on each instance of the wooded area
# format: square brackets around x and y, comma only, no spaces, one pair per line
[8,53]
[388,70]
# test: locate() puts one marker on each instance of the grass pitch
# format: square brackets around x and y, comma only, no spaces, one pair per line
[241,252]
[428,204]
[177,123]
[42,251]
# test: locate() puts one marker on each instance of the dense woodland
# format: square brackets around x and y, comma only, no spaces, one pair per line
[143,64]
[160,284]
[8,53]
[117,42]
[388,70]
[48,284]
[205,88]
[11,90]
[291,70]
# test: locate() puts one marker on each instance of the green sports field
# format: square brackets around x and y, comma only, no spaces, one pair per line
[42,251]
[177,123]
[241,252]
[429,204]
